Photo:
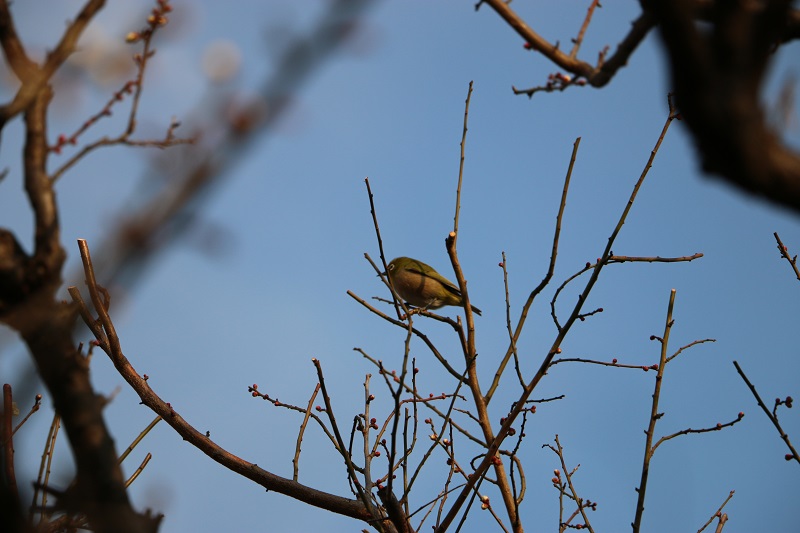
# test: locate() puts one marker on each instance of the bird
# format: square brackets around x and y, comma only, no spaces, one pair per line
[420,285]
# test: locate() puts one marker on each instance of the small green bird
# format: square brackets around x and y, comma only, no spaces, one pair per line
[420,285]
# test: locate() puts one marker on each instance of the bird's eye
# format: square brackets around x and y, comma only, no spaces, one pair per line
[390,267]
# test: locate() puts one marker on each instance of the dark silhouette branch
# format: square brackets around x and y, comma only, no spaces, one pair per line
[717,75]
[32,76]
[772,417]
[595,75]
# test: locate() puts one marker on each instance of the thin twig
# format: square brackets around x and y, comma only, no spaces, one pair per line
[579,39]
[397,301]
[689,431]
[139,438]
[574,493]
[6,436]
[157,19]
[654,416]
[545,280]
[351,473]
[686,347]
[470,350]
[612,363]
[614,260]
[654,259]
[139,470]
[461,159]
[365,438]
[37,403]
[439,357]
[423,400]
[556,346]
[256,393]
[452,239]
[785,254]
[717,513]
[43,479]
[772,418]
[303,425]
[512,341]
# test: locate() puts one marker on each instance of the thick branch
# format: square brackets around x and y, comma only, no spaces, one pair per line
[15,53]
[48,254]
[596,76]
[717,78]
[33,78]
[104,332]
[100,491]
[46,327]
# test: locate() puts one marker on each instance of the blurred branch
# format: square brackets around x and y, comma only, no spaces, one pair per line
[165,215]
[46,325]
[717,75]
[33,77]
[130,249]
[16,56]
[578,41]
[43,479]
[37,403]
[156,20]
[9,503]
[718,71]
[27,298]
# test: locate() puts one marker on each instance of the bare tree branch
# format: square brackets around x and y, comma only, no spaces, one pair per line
[717,76]
[32,76]
[596,75]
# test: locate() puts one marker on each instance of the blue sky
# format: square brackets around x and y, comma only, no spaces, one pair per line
[292,222]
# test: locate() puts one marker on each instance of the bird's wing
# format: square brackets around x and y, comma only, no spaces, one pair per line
[449,285]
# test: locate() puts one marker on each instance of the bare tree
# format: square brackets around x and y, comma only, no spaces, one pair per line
[384,450]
